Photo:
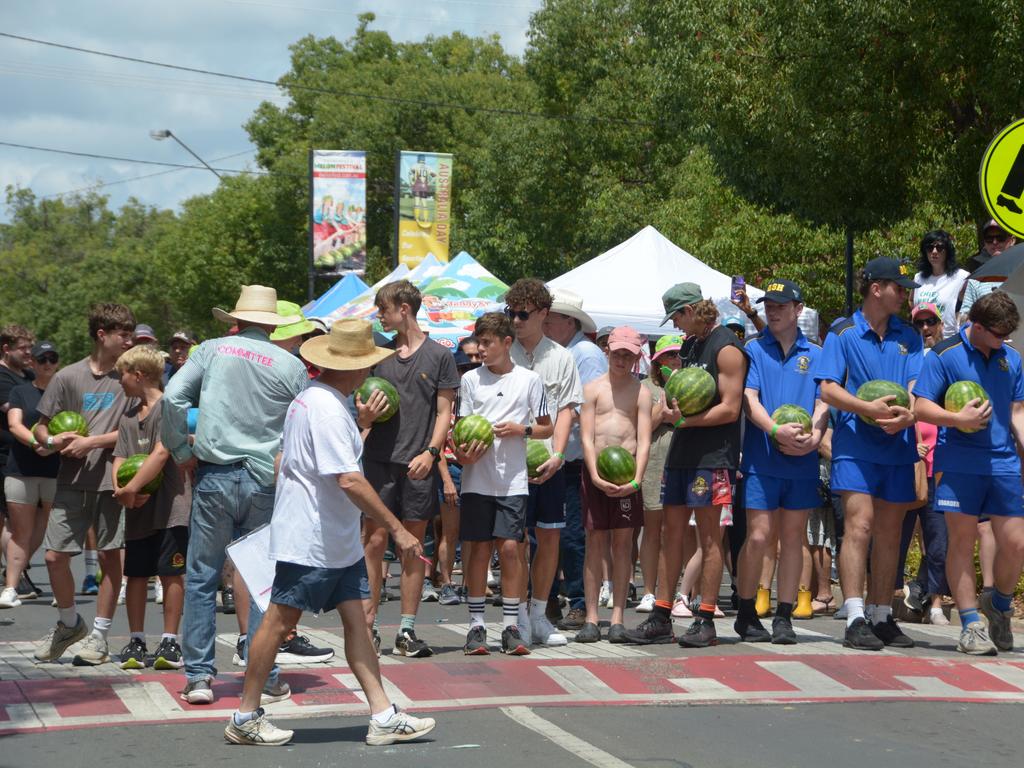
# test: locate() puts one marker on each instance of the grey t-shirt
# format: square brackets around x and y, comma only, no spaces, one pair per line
[102,402]
[417,379]
[169,506]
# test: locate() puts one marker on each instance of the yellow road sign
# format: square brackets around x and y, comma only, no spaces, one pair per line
[1001,178]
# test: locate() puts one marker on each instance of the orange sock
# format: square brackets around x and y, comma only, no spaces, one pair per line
[663,604]
[707,608]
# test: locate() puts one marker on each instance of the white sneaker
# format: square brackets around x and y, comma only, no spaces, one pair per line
[937,617]
[158,598]
[259,732]
[543,633]
[92,652]
[400,727]
[123,593]
[975,640]
[604,596]
[9,598]
[646,604]
[491,581]
[681,608]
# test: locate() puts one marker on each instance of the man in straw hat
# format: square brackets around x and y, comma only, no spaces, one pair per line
[315,537]
[247,384]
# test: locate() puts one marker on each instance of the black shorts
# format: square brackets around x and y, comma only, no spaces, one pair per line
[159,554]
[546,508]
[410,500]
[485,518]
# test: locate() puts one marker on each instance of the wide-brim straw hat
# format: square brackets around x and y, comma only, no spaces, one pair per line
[256,304]
[568,303]
[348,347]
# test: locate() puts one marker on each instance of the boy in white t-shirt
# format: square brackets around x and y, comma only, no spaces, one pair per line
[315,538]
[494,480]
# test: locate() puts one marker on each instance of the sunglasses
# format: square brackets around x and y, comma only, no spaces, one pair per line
[997,334]
[992,239]
[520,314]
[926,322]
[935,247]
[51,359]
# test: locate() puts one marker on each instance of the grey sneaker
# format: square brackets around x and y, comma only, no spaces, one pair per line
[93,652]
[998,622]
[52,647]
[272,692]
[198,692]
[974,640]
[448,595]
[428,594]
[259,732]
[400,727]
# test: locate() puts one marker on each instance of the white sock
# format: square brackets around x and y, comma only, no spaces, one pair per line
[101,626]
[387,714]
[92,562]
[166,635]
[69,616]
[241,718]
[854,609]
[537,607]
[140,635]
[523,612]
[607,585]
[881,614]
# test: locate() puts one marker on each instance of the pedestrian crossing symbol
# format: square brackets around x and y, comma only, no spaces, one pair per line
[1001,178]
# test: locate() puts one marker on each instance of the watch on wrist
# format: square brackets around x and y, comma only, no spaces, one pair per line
[528,431]
[434,452]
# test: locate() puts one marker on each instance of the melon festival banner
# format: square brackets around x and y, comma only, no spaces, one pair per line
[423,188]
[338,212]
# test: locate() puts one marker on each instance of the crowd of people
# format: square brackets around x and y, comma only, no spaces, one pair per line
[267,426]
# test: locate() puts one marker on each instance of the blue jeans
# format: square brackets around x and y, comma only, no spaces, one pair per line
[931,574]
[226,503]
[573,541]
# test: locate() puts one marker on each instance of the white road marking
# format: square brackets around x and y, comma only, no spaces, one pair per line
[580,681]
[805,678]
[562,738]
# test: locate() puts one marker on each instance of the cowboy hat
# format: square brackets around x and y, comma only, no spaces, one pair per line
[568,303]
[348,347]
[256,304]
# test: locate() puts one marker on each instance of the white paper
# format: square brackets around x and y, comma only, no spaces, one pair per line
[251,556]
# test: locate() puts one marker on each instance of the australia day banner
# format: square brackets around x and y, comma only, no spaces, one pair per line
[424,206]
[338,195]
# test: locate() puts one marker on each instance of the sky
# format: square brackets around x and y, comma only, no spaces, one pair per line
[84,103]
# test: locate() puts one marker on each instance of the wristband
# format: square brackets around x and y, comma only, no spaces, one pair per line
[635,484]
[559,454]
[49,441]
[678,424]
[775,428]
[33,442]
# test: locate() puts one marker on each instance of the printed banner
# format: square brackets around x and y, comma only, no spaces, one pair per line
[338,215]
[424,205]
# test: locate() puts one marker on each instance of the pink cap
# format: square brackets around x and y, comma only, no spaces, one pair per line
[625,337]
[925,306]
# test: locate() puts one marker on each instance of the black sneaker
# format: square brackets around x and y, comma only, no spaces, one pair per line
[407,644]
[890,633]
[27,590]
[751,631]
[574,619]
[617,634]
[651,631]
[227,600]
[239,658]
[859,636]
[298,650]
[913,597]
[782,631]
[168,655]
[133,655]
[590,633]
[512,642]
[700,634]
[476,642]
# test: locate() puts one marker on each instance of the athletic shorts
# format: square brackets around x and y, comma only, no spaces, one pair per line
[698,487]
[74,512]
[771,493]
[30,490]
[409,500]
[162,553]
[456,472]
[546,507]
[979,495]
[318,590]
[603,513]
[485,518]
[889,482]
[821,528]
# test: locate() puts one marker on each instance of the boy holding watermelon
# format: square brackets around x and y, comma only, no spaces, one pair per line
[868,361]
[494,479]
[157,499]
[972,387]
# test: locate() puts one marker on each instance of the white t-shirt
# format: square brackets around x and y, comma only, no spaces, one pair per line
[943,291]
[314,522]
[517,396]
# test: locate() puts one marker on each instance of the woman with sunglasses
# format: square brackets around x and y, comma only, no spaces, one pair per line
[940,278]
[31,475]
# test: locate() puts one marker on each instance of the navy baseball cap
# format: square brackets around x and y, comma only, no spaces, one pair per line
[896,270]
[43,348]
[782,292]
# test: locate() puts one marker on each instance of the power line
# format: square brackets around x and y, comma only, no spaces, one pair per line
[335,92]
[176,166]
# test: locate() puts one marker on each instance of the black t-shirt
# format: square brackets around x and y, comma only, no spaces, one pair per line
[708,447]
[8,381]
[23,461]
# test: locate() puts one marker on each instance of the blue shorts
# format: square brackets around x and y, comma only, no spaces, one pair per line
[889,482]
[979,495]
[770,493]
[698,487]
[546,507]
[456,472]
[319,589]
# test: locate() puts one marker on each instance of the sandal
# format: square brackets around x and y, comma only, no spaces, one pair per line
[826,606]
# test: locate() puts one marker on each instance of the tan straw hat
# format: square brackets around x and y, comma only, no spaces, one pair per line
[568,303]
[348,347]
[256,304]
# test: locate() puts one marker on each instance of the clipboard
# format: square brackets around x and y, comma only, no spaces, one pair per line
[251,556]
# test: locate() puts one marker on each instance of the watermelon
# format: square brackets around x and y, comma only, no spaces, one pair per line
[960,393]
[68,421]
[876,388]
[471,428]
[616,465]
[693,388]
[130,467]
[371,385]
[536,454]
[792,414]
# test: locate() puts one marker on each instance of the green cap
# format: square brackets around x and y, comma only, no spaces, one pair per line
[678,296]
[282,332]
[668,343]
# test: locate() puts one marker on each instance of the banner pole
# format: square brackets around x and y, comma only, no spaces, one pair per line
[310,269]
[398,207]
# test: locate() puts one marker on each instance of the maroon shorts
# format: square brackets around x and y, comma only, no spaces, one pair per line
[603,513]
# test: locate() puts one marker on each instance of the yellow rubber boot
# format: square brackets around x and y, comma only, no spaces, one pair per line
[803,609]
[763,603]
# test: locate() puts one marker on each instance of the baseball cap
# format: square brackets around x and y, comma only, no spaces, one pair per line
[678,296]
[143,331]
[605,330]
[462,360]
[993,224]
[733,320]
[671,342]
[183,335]
[925,306]
[885,268]
[782,292]
[42,348]
[625,337]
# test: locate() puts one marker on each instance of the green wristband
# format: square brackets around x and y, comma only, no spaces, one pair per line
[678,424]
[559,454]
[635,484]
[775,428]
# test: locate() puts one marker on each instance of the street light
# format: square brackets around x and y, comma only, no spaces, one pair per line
[159,134]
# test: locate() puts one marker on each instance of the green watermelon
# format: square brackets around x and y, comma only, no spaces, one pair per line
[536,454]
[616,465]
[693,388]
[876,388]
[130,467]
[960,393]
[792,414]
[471,428]
[68,421]
[371,385]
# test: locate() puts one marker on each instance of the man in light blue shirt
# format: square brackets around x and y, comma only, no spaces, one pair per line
[246,384]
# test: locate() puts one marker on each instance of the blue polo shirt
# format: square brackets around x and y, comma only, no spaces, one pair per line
[854,354]
[780,380]
[990,451]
